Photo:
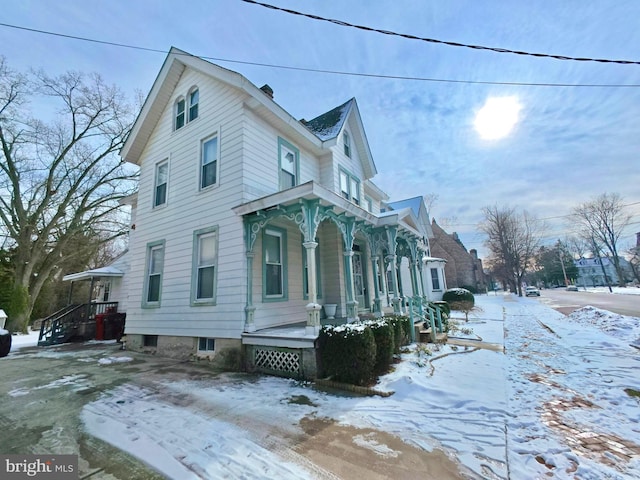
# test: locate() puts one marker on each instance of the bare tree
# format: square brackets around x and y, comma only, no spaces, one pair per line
[513,240]
[59,180]
[602,221]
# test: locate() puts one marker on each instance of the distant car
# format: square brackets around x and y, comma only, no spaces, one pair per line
[532,292]
[572,288]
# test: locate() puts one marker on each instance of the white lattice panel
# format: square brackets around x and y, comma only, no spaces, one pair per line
[287,362]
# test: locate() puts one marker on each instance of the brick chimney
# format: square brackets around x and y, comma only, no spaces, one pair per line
[267,90]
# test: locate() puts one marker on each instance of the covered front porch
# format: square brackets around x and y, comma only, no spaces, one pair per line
[310,252]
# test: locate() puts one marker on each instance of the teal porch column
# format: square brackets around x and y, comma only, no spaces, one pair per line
[352,304]
[377,303]
[395,301]
[249,309]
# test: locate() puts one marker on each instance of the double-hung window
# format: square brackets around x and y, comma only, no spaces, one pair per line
[435,279]
[154,269]
[349,187]
[289,160]
[194,99]
[274,255]
[180,114]
[205,259]
[160,191]
[209,162]
[346,141]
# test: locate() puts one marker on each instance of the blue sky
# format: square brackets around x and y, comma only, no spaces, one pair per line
[569,144]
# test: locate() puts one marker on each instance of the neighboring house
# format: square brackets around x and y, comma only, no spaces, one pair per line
[590,271]
[463,268]
[247,222]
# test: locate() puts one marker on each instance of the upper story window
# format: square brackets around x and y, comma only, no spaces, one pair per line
[160,191]
[194,99]
[186,110]
[180,113]
[349,187]
[368,204]
[209,162]
[346,141]
[289,160]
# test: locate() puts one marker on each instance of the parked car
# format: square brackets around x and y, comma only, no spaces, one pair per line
[532,292]
[572,288]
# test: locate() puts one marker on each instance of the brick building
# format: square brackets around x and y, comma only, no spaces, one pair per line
[463,268]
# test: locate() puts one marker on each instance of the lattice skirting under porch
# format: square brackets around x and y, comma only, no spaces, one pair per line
[286,362]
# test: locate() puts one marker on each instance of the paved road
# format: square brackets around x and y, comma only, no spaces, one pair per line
[567,302]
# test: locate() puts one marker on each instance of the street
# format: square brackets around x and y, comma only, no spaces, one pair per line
[566,302]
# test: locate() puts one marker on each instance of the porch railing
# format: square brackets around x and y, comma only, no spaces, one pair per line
[421,310]
[73,321]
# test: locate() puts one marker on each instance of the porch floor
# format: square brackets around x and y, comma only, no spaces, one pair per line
[289,336]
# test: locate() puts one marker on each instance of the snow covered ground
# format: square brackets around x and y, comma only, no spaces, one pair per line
[552,405]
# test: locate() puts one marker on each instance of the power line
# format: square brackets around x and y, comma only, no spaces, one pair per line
[323,71]
[443,42]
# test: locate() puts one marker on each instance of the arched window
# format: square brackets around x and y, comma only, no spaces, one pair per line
[194,99]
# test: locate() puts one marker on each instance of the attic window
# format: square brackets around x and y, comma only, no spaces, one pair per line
[194,99]
[346,140]
[180,113]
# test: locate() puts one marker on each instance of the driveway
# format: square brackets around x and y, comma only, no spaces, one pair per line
[50,402]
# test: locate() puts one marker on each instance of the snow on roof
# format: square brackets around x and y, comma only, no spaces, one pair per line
[329,124]
[96,272]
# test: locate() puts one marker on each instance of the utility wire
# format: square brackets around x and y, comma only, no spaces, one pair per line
[443,42]
[323,71]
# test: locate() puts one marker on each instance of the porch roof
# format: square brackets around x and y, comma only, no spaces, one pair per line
[309,191]
[95,273]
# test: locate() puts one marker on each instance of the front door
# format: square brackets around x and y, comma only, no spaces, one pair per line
[359,278]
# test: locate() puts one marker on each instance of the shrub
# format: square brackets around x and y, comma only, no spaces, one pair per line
[385,345]
[401,330]
[348,353]
[457,296]
[471,288]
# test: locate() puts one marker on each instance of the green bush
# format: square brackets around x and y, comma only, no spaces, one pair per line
[385,345]
[348,353]
[401,330]
[471,288]
[457,297]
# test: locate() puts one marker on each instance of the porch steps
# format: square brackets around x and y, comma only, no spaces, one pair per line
[424,334]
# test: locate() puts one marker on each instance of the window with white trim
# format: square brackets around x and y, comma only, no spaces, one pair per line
[289,161]
[274,248]
[206,344]
[209,162]
[205,259]
[194,100]
[153,278]
[161,180]
[349,187]
[435,279]
[180,115]
[346,141]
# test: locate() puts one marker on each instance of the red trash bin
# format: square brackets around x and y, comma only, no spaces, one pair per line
[100,326]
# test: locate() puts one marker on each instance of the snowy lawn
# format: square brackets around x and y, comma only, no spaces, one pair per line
[554,404]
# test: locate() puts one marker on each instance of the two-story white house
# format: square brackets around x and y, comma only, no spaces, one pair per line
[250,226]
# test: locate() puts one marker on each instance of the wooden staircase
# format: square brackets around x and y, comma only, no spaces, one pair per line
[73,323]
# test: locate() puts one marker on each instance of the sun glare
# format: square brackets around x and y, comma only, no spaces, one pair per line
[497,117]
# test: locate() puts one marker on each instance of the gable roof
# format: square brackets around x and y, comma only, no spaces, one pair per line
[328,126]
[163,90]
[412,203]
